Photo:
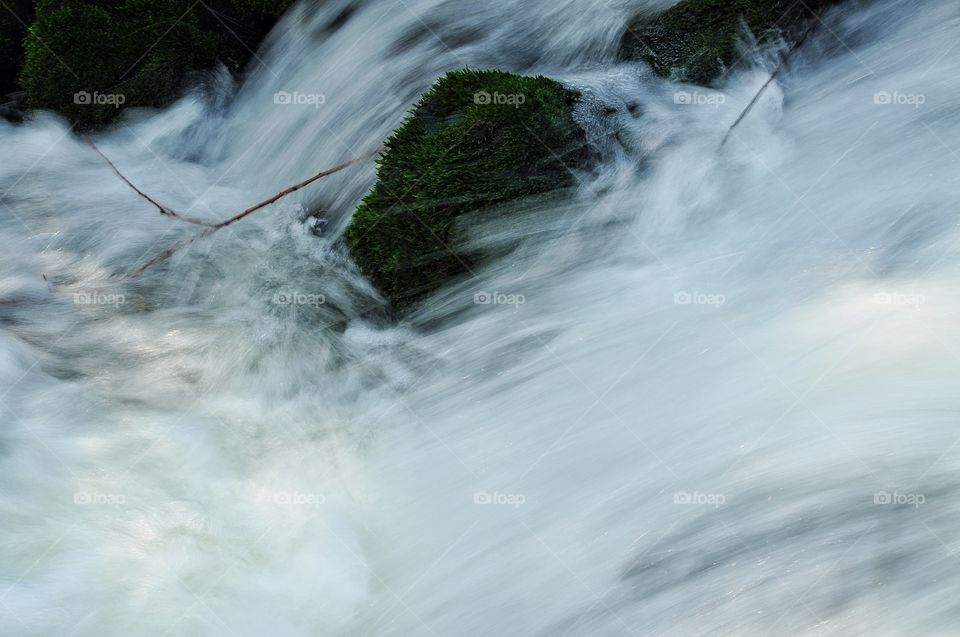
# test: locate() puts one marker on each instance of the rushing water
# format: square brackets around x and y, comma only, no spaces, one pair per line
[712,393]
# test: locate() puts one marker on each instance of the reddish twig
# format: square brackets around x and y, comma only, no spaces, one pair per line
[294,188]
[213,227]
[163,209]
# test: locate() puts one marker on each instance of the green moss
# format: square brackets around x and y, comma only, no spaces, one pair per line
[139,50]
[15,17]
[468,144]
[696,40]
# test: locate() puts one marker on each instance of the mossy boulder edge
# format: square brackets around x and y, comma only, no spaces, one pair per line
[15,18]
[88,59]
[475,140]
[695,41]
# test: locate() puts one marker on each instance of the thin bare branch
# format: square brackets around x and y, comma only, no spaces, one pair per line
[294,188]
[213,227]
[163,209]
[773,76]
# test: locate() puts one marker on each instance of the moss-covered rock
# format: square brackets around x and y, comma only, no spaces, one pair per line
[696,40]
[15,17]
[476,139]
[87,59]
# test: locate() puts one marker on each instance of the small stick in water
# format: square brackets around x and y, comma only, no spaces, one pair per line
[296,187]
[163,209]
[773,76]
[213,227]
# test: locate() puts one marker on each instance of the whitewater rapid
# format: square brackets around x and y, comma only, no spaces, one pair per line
[709,391]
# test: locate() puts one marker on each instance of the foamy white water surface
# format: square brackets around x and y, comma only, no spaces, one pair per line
[715,391]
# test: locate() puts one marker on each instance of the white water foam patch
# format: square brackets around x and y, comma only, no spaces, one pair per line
[686,403]
[188,514]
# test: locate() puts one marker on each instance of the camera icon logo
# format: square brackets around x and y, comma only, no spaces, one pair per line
[482,98]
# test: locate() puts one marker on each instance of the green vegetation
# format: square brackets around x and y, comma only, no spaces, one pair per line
[696,40]
[13,29]
[476,139]
[117,53]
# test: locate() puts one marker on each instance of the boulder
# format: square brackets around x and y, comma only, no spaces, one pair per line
[696,41]
[88,59]
[475,140]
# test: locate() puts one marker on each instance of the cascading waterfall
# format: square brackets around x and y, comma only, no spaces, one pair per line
[709,392]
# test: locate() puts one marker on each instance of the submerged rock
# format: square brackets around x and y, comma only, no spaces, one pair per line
[475,140]
[696,40]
